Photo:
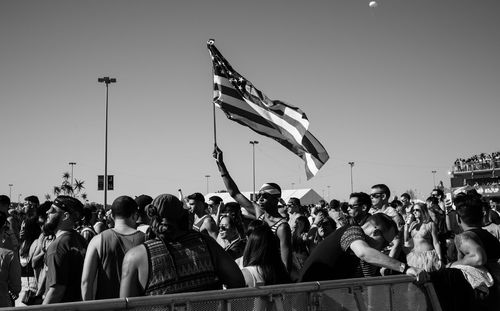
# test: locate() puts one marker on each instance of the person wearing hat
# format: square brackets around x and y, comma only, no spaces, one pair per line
[102,269]
[142,218]
[265,209]
[179,259]
[66,253]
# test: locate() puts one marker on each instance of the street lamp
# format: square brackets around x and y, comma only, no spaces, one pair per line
[253,143]
[207,177]
[72,164]
[10,191]
[107,81]
[352,187]
[434,178]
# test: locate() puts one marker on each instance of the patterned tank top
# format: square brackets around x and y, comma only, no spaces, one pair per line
[184,265]
[276,225]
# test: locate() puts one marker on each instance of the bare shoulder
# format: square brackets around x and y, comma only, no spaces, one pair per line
[136,255]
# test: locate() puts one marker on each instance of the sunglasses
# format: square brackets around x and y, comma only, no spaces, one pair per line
[353,205]
[417,210]
[376,195]
[264,195]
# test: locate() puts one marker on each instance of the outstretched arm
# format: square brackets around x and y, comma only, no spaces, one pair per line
[231,186]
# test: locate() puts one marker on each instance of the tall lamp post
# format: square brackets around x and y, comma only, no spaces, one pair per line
[72,164]
[10,191]
[352,185]
[107,81]
[253,143]
[434,178]
[207,177]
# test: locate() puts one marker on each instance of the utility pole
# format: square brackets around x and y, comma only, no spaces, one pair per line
[107,81]
[352,184]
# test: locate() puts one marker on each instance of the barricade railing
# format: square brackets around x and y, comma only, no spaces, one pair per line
[378,293]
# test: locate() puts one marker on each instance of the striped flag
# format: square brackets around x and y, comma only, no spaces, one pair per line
[245,104]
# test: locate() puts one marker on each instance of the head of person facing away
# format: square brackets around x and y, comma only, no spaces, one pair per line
[168,218]
[469,208]
[125,208]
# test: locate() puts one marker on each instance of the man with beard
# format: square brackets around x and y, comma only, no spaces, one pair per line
[266,208]
[66,253]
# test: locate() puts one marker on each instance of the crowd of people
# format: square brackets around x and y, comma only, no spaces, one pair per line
[482,161]
[63,251]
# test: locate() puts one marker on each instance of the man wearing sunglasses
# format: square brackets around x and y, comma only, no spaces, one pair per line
[380,195]
[340,255]
[265,209]
[66,253]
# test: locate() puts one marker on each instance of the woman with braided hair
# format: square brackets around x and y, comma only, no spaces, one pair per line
[178,259]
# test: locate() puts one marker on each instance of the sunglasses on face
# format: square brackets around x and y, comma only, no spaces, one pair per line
[416,210]
[353,205]
[264,195]
[376,195]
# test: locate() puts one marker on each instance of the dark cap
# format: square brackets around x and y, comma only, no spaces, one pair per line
[143,200]
[69,204]
[167,206]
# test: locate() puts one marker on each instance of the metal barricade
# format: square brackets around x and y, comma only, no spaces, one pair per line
[389,293]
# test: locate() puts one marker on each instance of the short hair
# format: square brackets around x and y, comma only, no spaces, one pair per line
[385,222]
[439,191]
[395,203]
[216,199]
[384,188]
[143,200]
[334,204]
[363,198]
[124,206]
[295,200]
[406,195]
[4,200]
[432,200]
[33,199]
[469,208]
[197,197]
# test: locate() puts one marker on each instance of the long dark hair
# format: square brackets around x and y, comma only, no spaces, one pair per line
[302,226]
[262,250]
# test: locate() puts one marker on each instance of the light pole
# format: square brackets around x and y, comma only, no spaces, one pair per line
[207,177]
[434,178]
[107,81]
[352,185]
[10,191]
[293,186]
[253,143]
[72,164]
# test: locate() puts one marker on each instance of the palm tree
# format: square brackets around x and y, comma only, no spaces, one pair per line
[57,190]
[78,186]
[47,197]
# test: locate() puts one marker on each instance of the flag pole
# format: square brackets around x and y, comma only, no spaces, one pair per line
[211,42]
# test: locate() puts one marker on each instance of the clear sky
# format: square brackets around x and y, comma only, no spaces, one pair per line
[401,90]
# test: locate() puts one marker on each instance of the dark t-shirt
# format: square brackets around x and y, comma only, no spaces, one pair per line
[64,260]
[490,244]
[332,259]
